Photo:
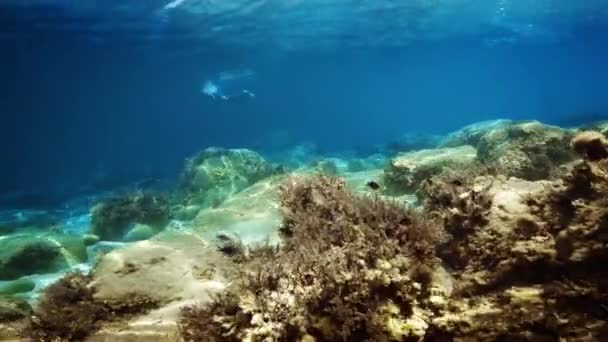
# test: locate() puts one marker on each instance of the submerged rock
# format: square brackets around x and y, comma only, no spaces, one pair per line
[172,269]
[20,285]
[114,218]
[471,134]
[28,254]
[215,174]
[591,145]
[327,166]
[13,309]
[375,161]
[412,142]
[252,215]
[531,265]
[600,126]
[529,150]
[405,173]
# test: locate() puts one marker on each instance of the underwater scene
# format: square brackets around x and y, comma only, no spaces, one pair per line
[290,170]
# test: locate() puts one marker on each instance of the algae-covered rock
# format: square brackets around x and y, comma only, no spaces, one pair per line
[471,134]
[325,166]
[140,232]
[215,174]
[600,126]
[528,150]
[375,161]
[412,141]
[13,309]
[22,255]
[90,239]
[20,285]
[591,145]
[113,218]
[253,214]
[404,173]
[186,212]
[172,269]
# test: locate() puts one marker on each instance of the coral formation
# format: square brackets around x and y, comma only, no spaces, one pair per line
[112,219]
[214,174]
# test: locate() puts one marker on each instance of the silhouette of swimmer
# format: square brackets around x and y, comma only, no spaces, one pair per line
[229,86]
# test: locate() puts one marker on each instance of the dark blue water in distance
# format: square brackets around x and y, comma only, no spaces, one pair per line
[91,102]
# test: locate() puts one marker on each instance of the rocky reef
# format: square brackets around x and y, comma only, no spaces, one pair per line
[499,234]
[215,174]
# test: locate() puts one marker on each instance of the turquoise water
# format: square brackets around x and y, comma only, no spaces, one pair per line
[105,98]
[102,93]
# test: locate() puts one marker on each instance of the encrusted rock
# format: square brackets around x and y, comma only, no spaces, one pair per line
[114,218]
[405,173]
[528,150]
[215,174]
[591,145]
[28,254]
[471,134]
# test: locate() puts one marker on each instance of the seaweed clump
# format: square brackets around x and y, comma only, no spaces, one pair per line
[350,268]
[69,311]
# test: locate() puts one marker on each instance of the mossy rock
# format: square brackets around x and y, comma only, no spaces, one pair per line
[90,239]
[215,174]
[28,254]
[326,167]
[22,255]
[113,218]
[186,213]
[404,173]
[21,285]
[140,232]
[13,309]
[527,150]
[73,244]
[471,134]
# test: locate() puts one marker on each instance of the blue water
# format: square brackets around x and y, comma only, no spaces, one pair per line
[96,94]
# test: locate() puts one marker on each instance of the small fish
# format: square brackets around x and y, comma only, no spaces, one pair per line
[373,185]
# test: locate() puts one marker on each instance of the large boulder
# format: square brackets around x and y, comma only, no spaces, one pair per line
[528,150]
[28,254]
[173,269]
[124,218]
[252,215]
[13,309]
[215,174]
[405,173]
